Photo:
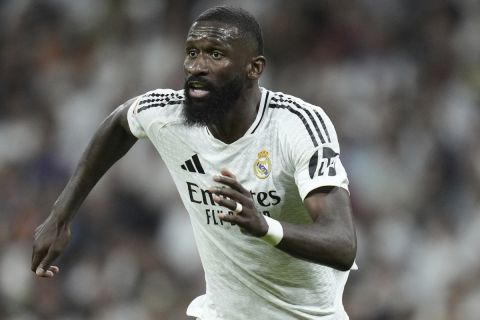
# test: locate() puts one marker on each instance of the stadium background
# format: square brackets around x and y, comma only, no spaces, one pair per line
[399,78]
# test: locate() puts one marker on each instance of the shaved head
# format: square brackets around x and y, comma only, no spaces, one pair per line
[245,25]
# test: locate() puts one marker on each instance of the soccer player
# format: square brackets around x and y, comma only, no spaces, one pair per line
[258,172]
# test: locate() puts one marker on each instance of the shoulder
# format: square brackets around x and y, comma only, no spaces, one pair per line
[294,105]
[161,106]
[301,118]
[158,99]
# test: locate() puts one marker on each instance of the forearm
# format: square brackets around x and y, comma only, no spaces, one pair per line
[110,142]
[330,239]
[320,244]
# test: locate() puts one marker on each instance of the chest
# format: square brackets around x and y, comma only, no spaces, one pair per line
[193,158]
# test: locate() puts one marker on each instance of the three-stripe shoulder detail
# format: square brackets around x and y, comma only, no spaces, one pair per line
[159,100]
[311,118]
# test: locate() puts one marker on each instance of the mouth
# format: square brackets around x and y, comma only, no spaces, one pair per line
[198,93]
[197,90]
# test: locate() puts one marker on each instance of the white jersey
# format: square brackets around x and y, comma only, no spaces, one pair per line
[290,149]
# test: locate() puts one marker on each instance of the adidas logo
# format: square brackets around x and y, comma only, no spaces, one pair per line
[193,165]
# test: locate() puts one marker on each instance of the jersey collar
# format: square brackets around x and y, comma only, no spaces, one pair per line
[262,109]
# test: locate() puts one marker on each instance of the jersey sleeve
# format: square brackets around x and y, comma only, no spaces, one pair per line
[152,107]
[315,154]
[133,120]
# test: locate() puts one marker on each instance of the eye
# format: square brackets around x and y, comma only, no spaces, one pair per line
[217,55]
[192,53]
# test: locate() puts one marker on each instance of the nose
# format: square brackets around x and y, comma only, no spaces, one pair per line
[197,66]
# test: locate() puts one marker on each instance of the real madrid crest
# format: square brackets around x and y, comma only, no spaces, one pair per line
[262,166]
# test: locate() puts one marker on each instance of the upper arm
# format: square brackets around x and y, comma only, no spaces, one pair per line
[330,209]
[121,118]
[330,240]
[327,203]
[121,114]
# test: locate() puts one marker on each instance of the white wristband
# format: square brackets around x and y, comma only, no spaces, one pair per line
[275,232]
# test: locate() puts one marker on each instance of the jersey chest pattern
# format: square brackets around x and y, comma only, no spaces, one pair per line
[255,162]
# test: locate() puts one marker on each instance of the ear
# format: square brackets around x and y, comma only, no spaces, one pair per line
[255,67]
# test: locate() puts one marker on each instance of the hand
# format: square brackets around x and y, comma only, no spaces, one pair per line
[249,220]
[51,237]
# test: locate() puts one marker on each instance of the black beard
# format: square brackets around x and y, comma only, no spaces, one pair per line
[213,108]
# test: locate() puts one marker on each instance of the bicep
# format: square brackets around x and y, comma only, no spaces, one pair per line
[120,116]
[330,206]
[330,240]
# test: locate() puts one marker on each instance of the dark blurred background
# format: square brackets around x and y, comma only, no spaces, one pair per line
[399,78]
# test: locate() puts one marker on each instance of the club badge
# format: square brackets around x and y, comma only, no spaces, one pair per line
[262,166]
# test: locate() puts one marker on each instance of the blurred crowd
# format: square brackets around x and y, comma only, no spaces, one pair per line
[399,78]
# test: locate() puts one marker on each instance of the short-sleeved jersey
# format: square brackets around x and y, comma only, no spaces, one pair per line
[290,149]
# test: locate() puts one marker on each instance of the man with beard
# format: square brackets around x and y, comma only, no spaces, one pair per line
[276,238]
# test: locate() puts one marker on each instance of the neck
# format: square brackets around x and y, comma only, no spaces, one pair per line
[239,118]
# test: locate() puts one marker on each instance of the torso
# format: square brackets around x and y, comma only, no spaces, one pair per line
[241,270]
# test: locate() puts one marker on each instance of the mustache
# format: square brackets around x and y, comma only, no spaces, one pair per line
[192,81]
